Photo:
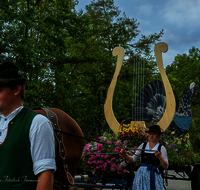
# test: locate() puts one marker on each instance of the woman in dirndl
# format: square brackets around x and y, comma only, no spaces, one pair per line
[148,176]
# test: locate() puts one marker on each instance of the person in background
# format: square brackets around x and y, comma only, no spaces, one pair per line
[148,176]
[27,147]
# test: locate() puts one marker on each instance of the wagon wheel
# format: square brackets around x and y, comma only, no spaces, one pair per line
[195,182]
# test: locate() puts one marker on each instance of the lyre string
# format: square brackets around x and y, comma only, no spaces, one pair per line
[143,87]
[133,86]
[140,62]
[140,89]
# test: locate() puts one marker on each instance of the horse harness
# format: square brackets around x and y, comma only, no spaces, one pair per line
[57,185]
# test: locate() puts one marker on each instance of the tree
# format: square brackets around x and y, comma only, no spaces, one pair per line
[185,70]
[67,56]
[39,36]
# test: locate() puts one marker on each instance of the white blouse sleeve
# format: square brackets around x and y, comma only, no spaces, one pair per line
[164,154]
[137,153]
[42,139]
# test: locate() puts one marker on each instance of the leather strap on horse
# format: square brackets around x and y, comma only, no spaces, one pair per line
[59,136]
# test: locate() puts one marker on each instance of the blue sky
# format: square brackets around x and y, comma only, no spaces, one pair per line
[180,20]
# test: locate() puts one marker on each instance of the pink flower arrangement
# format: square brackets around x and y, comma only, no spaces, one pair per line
[109,164]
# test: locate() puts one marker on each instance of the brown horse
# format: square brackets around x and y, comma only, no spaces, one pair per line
[73,147]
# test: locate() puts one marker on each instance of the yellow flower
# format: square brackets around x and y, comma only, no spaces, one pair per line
[173,133]
[134,129]
[187,136]
[183,140]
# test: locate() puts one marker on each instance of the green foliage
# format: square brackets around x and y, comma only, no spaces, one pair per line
[185,70]
[195,130]
[67,56]
[180,151]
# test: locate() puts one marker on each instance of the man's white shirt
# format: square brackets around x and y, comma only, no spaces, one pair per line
[41,136]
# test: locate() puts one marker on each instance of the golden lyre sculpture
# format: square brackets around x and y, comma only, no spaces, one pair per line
[170,100]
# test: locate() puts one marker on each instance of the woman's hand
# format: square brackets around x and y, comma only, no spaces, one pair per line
[162,161]
[123,152]
[157,154]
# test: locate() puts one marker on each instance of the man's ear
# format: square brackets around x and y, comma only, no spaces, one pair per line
[18,89]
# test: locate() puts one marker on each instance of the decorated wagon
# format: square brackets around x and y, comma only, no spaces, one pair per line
[157,102]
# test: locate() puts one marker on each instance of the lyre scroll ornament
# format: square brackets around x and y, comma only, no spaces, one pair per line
[170,100]
[110,118]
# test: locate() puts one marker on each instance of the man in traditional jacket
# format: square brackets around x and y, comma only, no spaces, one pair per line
[27,152]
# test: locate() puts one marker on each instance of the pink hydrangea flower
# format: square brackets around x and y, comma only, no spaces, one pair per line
[125,144]
[105,165]
[106,156]
[113,165]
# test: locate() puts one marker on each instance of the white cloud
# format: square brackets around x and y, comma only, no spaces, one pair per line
[171,37]
[181,13]
[144,10]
